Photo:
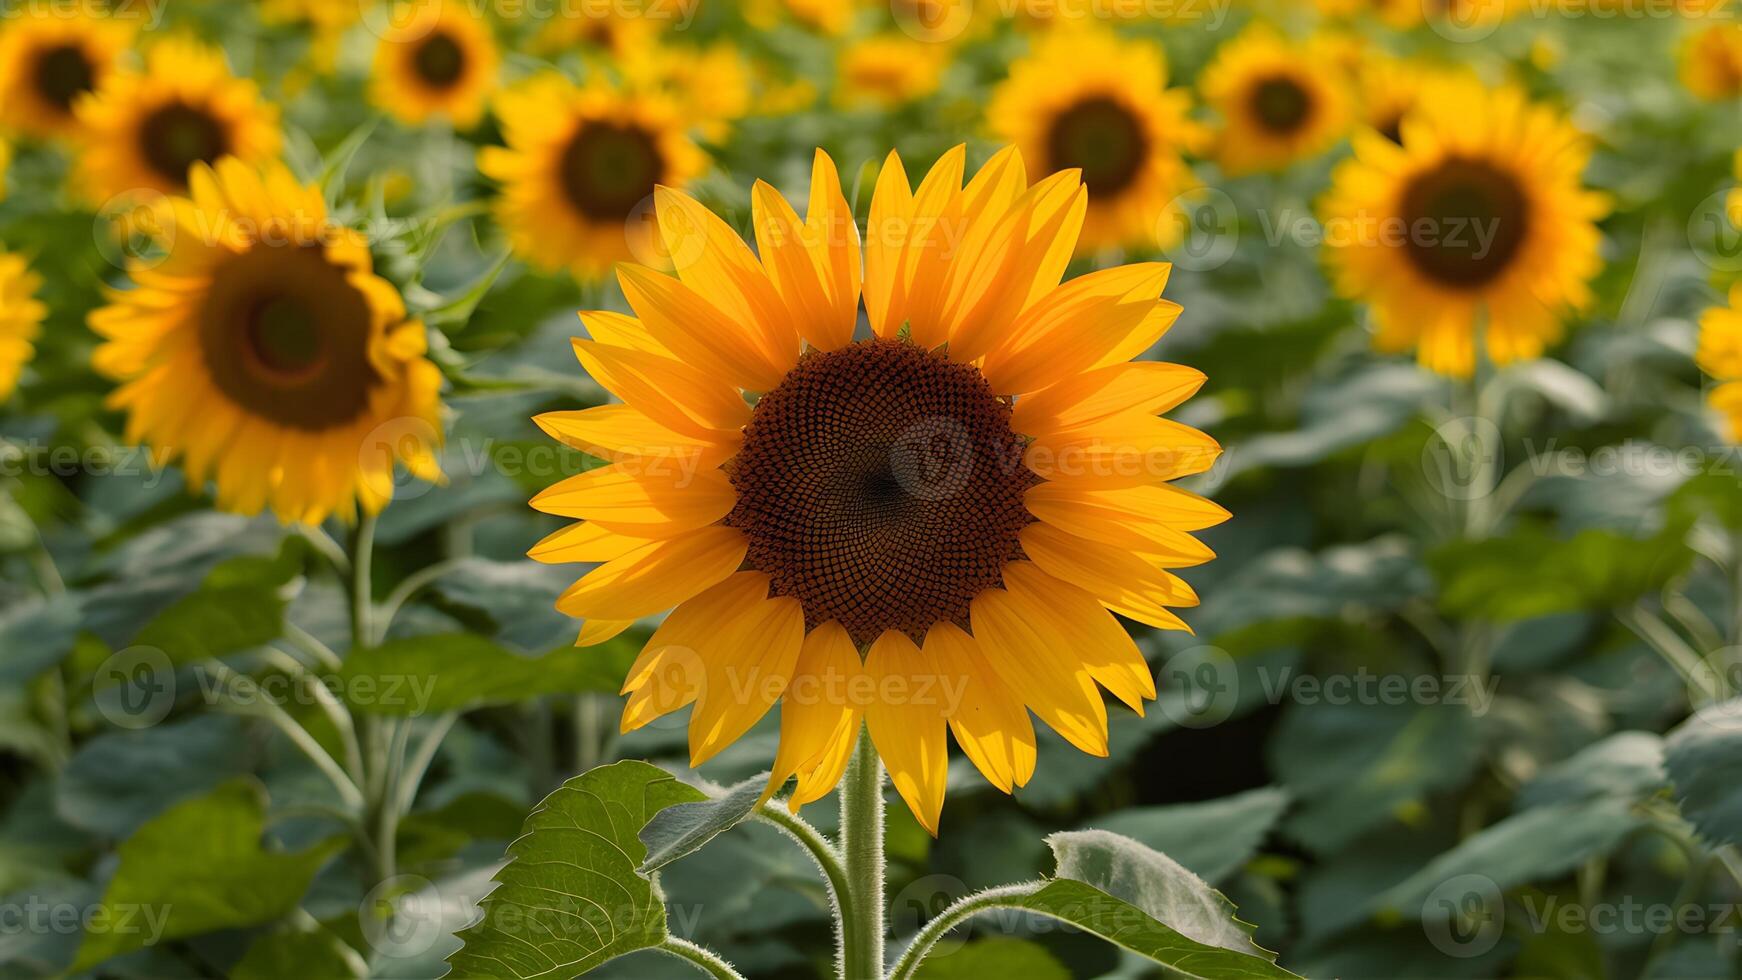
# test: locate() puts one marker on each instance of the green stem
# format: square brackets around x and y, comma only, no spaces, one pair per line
[705,959]
[1003,896]
[828,860]
[862,846]
[362,597]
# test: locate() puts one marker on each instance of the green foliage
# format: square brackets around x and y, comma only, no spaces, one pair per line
[570,898]
[198,867]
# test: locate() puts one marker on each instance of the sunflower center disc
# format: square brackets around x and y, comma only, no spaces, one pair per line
[62,75]
[178,136]
[1280,104]
[439,61]
[285,337]
[608,169]
[1465,220]
[1101,136]
[882,487]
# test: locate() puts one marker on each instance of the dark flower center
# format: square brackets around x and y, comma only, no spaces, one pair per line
[440,61]
[1281,105]
[608,169]
[285,336]
[62,75]
[178,136]
[1101,136]
[1464,221]
[882,487]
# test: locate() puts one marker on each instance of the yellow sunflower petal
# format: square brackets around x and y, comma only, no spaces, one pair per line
[607,431]
[1139,387]
[906,719]
[668,391]
[1124,451]
[652,501]
[749,662]
[1123,581]
[885,233]
[833,236]
[1106,650]
[656,576]
[817,703]
[1071,328]
[1035,661]
[696,332]
[711,259]
[583,542]
[989,722]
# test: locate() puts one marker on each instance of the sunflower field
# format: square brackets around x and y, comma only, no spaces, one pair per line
[862,489]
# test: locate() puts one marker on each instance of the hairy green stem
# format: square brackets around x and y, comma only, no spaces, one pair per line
[964,909]
[862,846]
[705,959]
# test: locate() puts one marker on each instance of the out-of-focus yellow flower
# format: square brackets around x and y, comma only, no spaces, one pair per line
[265,355]
[442,64]
[1390,88]
[143,130]
[21,315]
[5,164]
[1087,100]
[1711,62]
[580,168]
[1720,356]
[616,30]
[710,85]
[49,60]
[831,17]
[1479,221]
[888,70]
[1278,103]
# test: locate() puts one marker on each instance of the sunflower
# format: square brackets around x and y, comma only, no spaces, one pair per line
[1478,218]
[443,64]
[710,85]
[143,131]
[831,17]
[1086,100]
[20,319]
[886,71]
[1711,62]
[1392,87]
[48,60]
[265,354]
[1276,104]
[1720,356]
[928,528]
[579,164]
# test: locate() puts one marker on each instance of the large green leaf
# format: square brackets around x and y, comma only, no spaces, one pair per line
[1355,766]
[1531,846]
[1532,572]
[213,622]
[36,634]
[1155,883]
[1625,765]
[119,780]
[201,866]
[1213,838]
[454,671]
[1704,759]
[570,898]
